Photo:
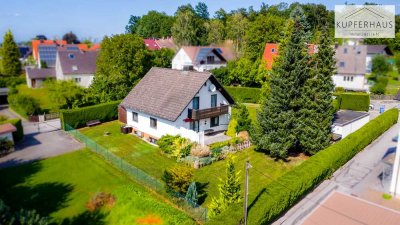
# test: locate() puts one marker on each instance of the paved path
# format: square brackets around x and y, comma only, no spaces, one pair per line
[358,177]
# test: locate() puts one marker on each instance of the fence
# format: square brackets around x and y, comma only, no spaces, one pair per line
[197,212]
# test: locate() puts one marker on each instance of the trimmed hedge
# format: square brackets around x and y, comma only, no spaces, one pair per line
[354,101]
[77,118]
[288,189]
[19,134]
[244,94]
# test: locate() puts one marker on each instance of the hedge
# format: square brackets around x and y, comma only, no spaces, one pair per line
[77,118]
[19,134]
[244,94]
[354,101]
[282,193]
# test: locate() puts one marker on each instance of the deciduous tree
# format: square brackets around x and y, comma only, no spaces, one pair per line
[184,29]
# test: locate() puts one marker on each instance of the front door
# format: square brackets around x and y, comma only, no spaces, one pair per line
[33,83]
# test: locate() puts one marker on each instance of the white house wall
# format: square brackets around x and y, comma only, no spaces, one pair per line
[181,59]
[86,79]
[351,127]
[358,83]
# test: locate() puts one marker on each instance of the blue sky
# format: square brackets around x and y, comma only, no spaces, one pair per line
[96,18]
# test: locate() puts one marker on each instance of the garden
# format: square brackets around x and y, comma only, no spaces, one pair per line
[81,188]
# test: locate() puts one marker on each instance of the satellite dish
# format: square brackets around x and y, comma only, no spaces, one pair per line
[212,88]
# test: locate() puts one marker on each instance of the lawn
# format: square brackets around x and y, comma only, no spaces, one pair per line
[393,84]
[42,95]
[148,158]
[252,110]
[60,187]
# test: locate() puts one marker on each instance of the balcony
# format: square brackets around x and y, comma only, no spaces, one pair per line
[195,114]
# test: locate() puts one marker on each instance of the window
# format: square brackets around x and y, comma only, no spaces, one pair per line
[196,101]
[344,78]
[214,100]
[214,121]
[351,79]
[74,68]
[153,123]
[210,59]
[194,125]
[77,80]
[135,117]
[345,50]
[348,78]
[71,56]
[272,50]
[341,64]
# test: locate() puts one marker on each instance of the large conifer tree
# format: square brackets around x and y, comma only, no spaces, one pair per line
[276,131]
[316,116]
[10,64]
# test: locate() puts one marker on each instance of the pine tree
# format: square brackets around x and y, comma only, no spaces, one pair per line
[316,117]
[229,190]
[276,130]
[243,119]
[192,195]
[11,66]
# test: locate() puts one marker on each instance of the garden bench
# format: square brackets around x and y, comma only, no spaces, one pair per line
[93,123]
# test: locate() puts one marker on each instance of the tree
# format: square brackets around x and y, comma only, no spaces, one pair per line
[276,131]
[192,195]
[236,29]
[316,115]
[202,10]
[70,38]
[216,31]
[162,57]
[132,24]
[380,65]
[65,94]
[178,178]
[243,119]
[10,64]
[122,61]
[154,25]
[229,190]
[221,15]
[184,29]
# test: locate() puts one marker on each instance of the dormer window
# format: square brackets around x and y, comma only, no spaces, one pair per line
[71,56]
[272,50]
[210,59]
[74,68]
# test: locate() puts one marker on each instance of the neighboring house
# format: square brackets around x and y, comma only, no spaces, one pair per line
[167,43]
[151,44]
[24,52]
[36,76]
[74,65]
[374,50]
[201,58]
[351,67]
[346,122]
[36,43]
[174,102]
[6,131]
[271,51]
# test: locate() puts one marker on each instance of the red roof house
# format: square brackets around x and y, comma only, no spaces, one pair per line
[151,44]
[36,43]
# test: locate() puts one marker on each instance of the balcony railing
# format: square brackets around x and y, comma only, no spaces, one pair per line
[195,114]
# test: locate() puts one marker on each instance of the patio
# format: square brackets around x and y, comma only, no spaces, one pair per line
[215,137]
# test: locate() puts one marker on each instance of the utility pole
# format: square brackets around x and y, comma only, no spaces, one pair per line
[246,190]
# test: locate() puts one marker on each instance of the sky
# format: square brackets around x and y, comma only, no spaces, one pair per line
[96,18]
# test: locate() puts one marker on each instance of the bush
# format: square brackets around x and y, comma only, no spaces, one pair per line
[175,146]
[178,178]
[244,94]
[11,81]
[77,118]
[243,119]
[339,89]
[284,192]
[99,200]
[19,134]
[5,146]
[23,104]
[200,151]
[166,143]
[357,101]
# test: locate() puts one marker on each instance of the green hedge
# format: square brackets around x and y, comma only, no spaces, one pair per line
[19,134]
[354,101]
[77,118]
[244,94]
[287,190]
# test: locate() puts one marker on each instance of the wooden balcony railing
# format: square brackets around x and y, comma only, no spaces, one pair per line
[195,114]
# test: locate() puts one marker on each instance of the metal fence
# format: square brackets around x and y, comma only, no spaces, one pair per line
[194,210]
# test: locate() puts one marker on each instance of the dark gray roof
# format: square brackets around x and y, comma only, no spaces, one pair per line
[165,93]
[36,73]
[77,62]
[378,49]
[344,117]
[353,59]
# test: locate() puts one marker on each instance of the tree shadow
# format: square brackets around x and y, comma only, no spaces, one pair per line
[201,192]
[87,218]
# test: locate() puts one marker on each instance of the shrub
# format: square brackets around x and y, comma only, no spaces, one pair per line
[99,200]
[178,178]
[23,104]
[231,132]
[77,118]
[354,101]
[243,119]
[244,94]
[200,151]
[19,134]
[166,143]
[285,191]
[5,146]
[339,89]
[3,118]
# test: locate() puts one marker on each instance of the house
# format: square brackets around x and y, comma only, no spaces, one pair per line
[374,50]
[271,51]
[151,44]
[24,52]
[79,66]
[167,42]
[6,131]
[201,58]
[186,103]
[346,122]
[351,67]
[36,76]
[36,43]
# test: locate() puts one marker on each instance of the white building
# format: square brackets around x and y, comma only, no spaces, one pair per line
[201,58]
[186,103]
[347,121]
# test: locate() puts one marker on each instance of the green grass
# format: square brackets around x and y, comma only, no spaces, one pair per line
[60,187]
[393,84]
[132,149]
[42,95]
[252,110]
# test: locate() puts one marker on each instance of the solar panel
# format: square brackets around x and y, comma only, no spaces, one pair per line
[203,53]
[72,48]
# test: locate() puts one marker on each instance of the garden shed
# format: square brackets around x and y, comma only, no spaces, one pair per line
[346,122]
[6,131]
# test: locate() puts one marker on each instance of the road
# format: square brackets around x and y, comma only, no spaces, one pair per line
[360,177]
